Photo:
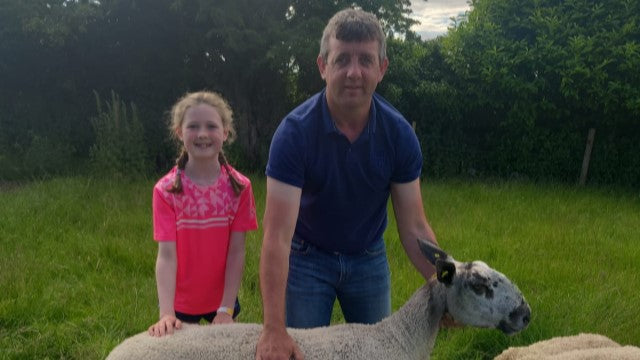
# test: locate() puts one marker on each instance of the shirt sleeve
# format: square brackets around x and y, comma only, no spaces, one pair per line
[286,154]
[245,216]
[164,217]
[408,162]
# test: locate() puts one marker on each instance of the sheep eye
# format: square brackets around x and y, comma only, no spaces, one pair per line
[482,289]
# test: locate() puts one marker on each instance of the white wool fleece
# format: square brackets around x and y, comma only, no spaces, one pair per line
[578,347]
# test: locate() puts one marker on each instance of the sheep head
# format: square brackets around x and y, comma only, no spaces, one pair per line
[478,295]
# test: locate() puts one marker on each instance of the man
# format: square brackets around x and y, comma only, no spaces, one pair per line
[333,163]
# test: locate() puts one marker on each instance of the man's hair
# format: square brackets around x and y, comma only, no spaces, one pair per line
[353,25]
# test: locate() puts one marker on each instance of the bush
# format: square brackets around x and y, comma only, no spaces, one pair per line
[39,157]
[119,149]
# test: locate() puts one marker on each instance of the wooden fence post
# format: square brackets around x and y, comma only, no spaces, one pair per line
[587,156]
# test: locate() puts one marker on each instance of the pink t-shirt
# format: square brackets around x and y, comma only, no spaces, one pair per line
[200,220]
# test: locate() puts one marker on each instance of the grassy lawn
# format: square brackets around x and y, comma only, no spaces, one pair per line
[77,265]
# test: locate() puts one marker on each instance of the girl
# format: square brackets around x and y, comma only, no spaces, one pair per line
[201,211]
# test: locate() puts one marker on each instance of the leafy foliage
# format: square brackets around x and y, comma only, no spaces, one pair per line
[421,86]
[540,73]
[512,90]
[119,150]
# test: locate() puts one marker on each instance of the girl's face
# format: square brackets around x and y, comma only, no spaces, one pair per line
[202,132]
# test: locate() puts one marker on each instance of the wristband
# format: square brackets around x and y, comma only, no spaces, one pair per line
[224,309]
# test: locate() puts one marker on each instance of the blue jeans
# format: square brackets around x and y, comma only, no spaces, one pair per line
[360,282]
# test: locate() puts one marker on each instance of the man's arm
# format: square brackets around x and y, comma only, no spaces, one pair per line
[280,215]
[412,223]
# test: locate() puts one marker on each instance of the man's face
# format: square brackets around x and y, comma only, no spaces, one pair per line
[352,71]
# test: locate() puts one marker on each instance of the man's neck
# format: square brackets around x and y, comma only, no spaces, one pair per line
[350,122]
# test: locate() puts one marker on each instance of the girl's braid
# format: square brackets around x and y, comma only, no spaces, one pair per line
[181,162]
[235,184]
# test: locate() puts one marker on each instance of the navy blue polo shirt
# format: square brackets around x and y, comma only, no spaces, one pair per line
[345,186]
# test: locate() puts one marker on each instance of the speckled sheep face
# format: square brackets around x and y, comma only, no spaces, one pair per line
[481,296]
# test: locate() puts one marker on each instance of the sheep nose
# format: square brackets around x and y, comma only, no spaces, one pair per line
[521,314]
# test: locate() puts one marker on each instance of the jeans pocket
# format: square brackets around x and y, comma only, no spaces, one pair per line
[376,248]
[299,247]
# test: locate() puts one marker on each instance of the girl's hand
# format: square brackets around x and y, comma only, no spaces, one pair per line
[222,318]
[165,326]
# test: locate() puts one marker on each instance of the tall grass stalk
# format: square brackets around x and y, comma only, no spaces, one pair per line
[77,265]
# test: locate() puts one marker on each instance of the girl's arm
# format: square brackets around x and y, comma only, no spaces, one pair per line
[232,277]
[166,268]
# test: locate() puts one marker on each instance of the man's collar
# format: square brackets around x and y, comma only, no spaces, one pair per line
[330,126]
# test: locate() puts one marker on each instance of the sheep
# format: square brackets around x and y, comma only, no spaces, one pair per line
[472,293]
[577,347]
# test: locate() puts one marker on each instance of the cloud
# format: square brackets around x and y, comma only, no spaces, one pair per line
[435,15]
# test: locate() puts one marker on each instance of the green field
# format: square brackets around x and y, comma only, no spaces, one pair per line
[77,265]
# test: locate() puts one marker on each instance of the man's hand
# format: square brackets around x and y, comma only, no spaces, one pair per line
[165,326]
[277,345]
[447,321]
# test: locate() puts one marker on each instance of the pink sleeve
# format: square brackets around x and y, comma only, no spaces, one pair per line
[164,218]
[245,217]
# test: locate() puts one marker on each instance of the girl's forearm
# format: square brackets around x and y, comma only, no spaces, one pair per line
[166,267]
[234,269]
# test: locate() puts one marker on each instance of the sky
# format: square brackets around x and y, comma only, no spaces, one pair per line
[434,16]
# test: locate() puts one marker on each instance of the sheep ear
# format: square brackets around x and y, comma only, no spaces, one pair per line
[431,252]
[445,271]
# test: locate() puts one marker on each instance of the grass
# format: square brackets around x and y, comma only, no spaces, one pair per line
[77,265]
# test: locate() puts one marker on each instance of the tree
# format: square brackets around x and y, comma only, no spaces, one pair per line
[259,54]
[266,67]
[36,88]
[540,73]
[420,84]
